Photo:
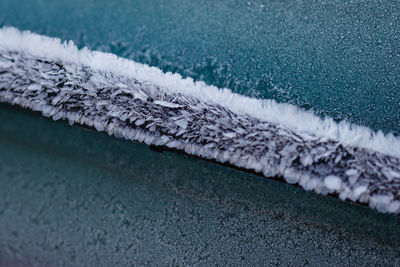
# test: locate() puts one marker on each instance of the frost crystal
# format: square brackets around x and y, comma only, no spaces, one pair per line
[136,102]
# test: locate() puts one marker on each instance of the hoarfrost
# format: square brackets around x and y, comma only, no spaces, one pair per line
[140,103]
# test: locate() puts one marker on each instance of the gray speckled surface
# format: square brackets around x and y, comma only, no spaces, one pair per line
[71,196]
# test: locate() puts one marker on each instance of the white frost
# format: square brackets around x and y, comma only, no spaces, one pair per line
[267,110]
[333,183]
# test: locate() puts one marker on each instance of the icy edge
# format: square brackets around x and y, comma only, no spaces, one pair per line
[266,110]
[125,107]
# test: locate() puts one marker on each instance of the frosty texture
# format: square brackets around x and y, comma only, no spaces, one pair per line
[143,104]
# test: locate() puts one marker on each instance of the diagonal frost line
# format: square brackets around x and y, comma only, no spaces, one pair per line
[126,107]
